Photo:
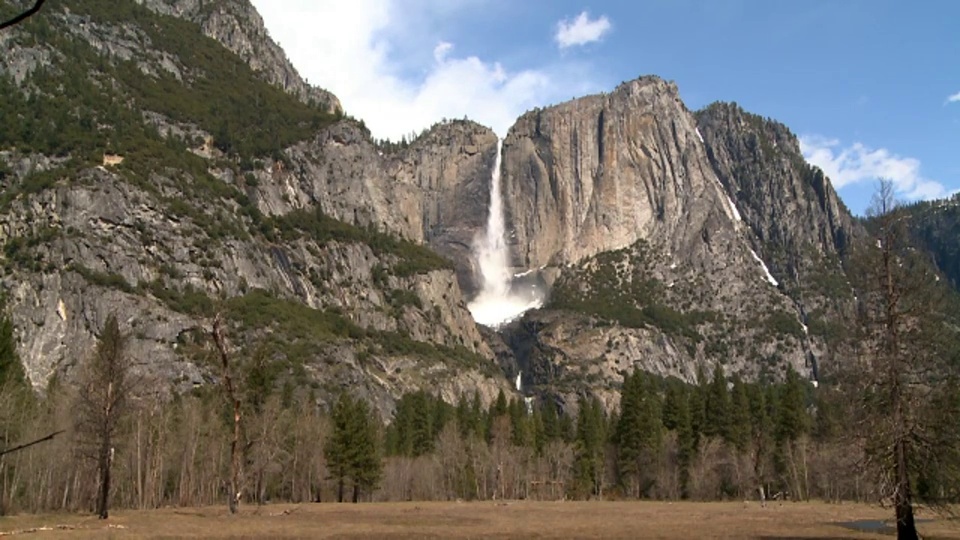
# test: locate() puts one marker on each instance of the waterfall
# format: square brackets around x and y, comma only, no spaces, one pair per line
[497,303]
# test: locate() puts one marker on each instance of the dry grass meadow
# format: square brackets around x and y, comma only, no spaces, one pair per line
[516,519]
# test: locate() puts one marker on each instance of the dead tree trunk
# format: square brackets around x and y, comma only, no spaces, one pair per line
[103,467]
[233,500]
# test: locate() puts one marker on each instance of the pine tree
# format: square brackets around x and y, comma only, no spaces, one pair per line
[698,405]
[462,414]
[337,450]
[674,398]
[442,413]
[686,443]
[717,408]
[760,433]
[792,420]
[365,466]
[499,407]
[352,449]
[421,424]
[12,376]
[552,430]
[638,431]
[519,422]
[826,422]
[539,432]
[476,415]
[568,428]
[590,440]
[738,431]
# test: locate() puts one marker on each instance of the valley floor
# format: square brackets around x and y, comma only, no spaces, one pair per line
[512,519]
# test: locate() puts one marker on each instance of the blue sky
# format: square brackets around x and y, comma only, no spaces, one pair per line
[864,83]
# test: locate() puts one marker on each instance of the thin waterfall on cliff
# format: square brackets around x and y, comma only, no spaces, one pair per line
[497,303]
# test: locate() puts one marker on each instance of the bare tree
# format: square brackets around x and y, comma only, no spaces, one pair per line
[233,397]
[23,16]
[900,369]
[103,391]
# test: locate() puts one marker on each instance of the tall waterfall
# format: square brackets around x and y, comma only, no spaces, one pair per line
[497,303]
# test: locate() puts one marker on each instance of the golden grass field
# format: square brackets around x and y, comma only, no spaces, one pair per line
[514,519]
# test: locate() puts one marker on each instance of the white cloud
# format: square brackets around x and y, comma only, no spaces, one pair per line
[581,30]
[388,62]
[953,98]
[860,163]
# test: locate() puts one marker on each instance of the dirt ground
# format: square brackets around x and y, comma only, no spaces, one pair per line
[515,519]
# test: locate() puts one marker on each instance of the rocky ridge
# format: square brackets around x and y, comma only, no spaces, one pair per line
[239,27]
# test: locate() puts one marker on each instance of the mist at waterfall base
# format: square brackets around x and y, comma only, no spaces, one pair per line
[502,297]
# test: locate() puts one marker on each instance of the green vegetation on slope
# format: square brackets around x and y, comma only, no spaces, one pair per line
[935,227]
[219,92]
[616,286]
[411,258]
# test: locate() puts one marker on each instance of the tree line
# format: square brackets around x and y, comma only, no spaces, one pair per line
[720,438]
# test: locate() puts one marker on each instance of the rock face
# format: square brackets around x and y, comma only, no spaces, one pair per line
[313,251]
[449,169]
[601,172]
[625,192]
[671,239]
[800,226]
[436,191]
[237,25]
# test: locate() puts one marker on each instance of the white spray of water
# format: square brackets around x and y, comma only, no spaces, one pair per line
[497,304]
[519,381]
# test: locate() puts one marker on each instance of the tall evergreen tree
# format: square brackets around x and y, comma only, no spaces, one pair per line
[551,421]
[686,443]
[476,415]
[638,431]
[337,449]
[539,432]
[792,419]
[519,422]
[365,467]
[717,407]
[499,407]
[675,397]
[698,404]
[739,428]
[12,376]
[760,433]
[589,447]
[352,449]
[421,423]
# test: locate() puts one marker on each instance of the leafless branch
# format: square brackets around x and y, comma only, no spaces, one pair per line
[29,444]
[23,16]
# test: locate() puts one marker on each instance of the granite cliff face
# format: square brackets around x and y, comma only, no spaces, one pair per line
[310,246]
[800,226]
[601,172]
[674,239]
[237,25]
[670,239]
[435,192]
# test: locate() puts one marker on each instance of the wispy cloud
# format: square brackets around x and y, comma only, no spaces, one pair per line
[581,30]
[953,98]
[859,163]
[389,63]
